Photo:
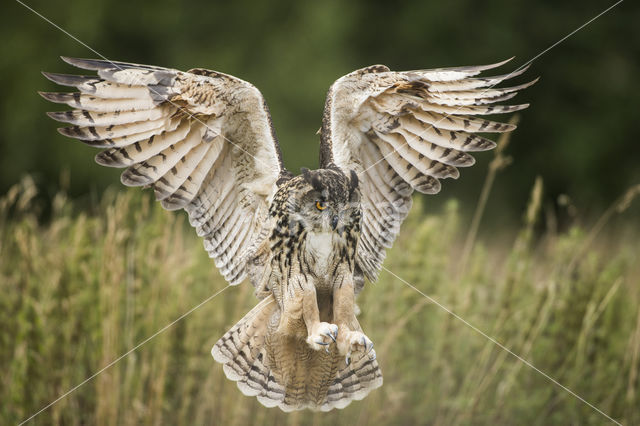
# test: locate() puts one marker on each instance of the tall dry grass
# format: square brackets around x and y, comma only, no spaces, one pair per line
[79,289]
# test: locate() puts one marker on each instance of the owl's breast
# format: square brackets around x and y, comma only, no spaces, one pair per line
[320,247]
[320,250]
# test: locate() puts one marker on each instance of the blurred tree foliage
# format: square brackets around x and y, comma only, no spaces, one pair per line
[577,134]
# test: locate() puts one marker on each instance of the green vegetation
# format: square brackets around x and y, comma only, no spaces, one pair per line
[83,288]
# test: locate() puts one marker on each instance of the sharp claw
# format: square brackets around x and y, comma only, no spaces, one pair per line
[326,349]
[373,356]
[347,359]
[321,343]
[333,333]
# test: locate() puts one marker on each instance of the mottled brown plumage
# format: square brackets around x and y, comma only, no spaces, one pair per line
[305,271]
[204,142]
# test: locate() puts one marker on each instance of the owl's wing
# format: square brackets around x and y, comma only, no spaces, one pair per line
[404,131]
[201,139]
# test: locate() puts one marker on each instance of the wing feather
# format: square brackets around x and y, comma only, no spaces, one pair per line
[153,168]
[201,139]
[98,87]
[404,131]
[476,83]
[96,104]
[85,118]
[169,183]
[409,172]
[220,216]
[189,189]
[139,151]
[106,135]
[460,123]
[209,203]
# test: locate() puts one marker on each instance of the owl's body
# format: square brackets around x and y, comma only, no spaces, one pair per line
[204,142]
[307,281]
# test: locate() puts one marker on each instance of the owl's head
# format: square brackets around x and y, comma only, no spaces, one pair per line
[326,200]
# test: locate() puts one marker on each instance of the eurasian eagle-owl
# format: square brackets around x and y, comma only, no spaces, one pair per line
[204,142]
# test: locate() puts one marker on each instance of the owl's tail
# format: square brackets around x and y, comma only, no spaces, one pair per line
[291,376]
[242,352]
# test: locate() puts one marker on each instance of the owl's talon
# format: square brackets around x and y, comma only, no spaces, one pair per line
[321,335]
[354,341]
[347,359]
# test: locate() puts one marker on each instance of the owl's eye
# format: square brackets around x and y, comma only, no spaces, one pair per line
[321,205]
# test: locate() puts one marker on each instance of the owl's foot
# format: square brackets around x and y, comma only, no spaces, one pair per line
[355,341]
[321,335]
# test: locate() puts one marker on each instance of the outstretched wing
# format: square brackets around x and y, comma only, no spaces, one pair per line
[404,131]
[201,139]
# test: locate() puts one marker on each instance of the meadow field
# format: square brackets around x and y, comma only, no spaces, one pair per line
[81,287]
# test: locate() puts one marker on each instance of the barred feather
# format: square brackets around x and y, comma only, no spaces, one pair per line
[460,122]
[106,135]
[140,151]
[421,121]
[92,103]
[472,109]
[98,87]
[455,73]
[150,170]
[477,94]
[353,382]
[411,128]
[409,172]
[89,118]
[475,83]
[165,126]
[415,149]
[169,183]
[186,193]
[242,352]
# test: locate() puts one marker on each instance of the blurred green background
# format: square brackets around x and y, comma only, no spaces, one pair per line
[578,133]
[103,269]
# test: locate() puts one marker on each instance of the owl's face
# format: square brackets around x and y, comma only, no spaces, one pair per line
[326,201]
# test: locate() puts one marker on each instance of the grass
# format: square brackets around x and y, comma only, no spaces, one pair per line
[82,288]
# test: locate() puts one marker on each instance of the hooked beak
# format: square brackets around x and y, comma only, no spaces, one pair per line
[334,221]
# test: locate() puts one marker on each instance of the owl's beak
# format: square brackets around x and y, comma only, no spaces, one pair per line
[334,221]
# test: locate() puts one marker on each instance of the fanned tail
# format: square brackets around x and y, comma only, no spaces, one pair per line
[285,372]
[353,382]
[243,353]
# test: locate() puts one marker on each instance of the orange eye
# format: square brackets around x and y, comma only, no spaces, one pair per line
[321,205]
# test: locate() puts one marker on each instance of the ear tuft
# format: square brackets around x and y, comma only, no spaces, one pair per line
[306,174]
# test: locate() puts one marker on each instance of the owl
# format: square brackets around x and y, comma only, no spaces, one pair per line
[204,142]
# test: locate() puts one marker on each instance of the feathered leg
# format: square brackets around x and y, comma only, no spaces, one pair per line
[304,306]
[350,335]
